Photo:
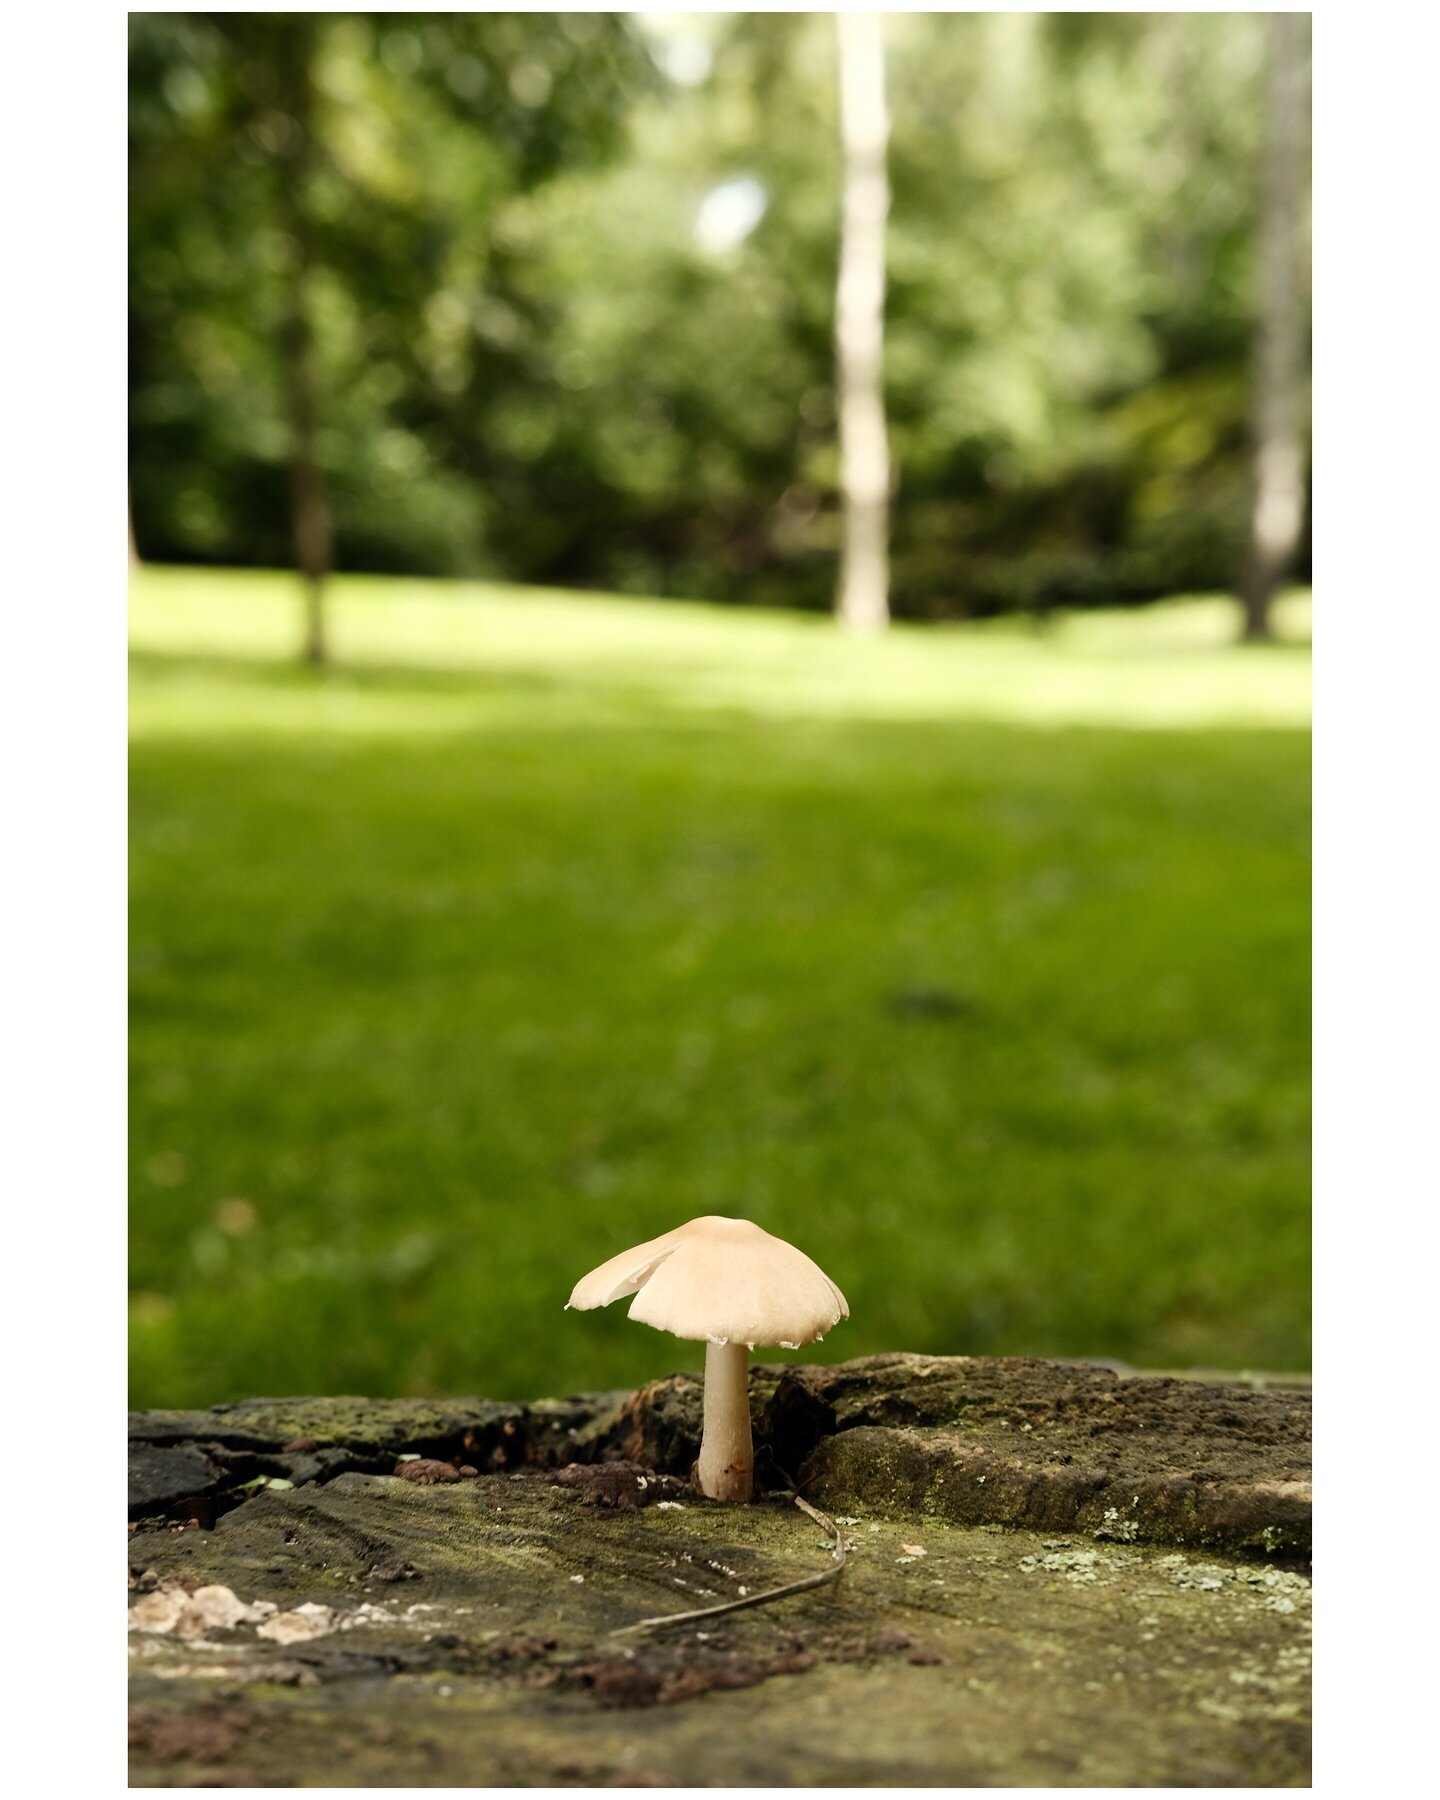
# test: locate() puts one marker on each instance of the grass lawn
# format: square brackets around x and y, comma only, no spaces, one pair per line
[974,961]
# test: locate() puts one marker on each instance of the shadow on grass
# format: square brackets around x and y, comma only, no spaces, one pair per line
[188,692]
[345,677]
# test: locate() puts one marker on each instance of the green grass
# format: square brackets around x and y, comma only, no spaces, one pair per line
[545,922]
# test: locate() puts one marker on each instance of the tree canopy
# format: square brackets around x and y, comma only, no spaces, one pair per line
[574,280]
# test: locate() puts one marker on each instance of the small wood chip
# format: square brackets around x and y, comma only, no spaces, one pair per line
[427,1471]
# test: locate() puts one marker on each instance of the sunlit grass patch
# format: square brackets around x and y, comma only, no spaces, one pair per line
[1173,665]
[543,922]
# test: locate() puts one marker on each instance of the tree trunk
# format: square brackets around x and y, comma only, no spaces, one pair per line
[1278,478]
[863,600]
[384,1593]
[310,513]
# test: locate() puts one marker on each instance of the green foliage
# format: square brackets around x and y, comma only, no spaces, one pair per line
[975,962]
[426,127]
[529,365]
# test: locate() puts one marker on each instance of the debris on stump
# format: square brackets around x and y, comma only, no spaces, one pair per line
[1058,1575]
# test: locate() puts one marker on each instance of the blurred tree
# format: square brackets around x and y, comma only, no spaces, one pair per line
[322,298]
[573,293]
[1279,498]
[863,599]
[274,57]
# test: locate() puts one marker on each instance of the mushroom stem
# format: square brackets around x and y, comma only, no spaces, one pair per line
[727,1457]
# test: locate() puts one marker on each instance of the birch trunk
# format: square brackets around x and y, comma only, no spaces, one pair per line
[863,601]
[1278,478]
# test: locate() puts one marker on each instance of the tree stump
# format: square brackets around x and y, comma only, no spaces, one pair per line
[1059,1575]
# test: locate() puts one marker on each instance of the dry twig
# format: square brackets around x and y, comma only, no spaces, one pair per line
[728,1606]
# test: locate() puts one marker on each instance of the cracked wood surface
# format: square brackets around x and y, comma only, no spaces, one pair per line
[380,1622]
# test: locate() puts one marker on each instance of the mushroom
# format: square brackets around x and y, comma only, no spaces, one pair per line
[735,1286]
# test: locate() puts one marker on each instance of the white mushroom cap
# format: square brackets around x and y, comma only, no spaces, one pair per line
[720,1279]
